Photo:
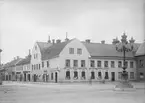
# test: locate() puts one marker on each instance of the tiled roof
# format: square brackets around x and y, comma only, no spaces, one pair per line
[106,50]
[141,49]
[12,63]
[49,51]
[25,61]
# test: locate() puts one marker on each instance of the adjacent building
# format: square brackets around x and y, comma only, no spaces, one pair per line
[140,61]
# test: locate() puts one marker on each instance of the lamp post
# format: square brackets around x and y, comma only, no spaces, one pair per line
[124,47]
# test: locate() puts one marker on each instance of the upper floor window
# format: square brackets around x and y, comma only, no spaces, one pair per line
[141,63]
[71,50]
[75,63]
[82,63]
[112,64]
[131,64]
[126,64]
[105,63]
[47,63]
[119,64]
[32,66]
[99,63]
[92,63]
[67,63]
[79,51]
[39,67]
[42,64]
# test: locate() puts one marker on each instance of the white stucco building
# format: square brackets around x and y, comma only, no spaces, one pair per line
[75,61]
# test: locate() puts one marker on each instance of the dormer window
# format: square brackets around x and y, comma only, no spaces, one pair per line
[79,51]
[71,50]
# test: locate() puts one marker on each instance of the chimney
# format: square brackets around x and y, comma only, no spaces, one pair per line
[103,42]
[115,41]
[53,41]
[49,41]
[88,40]
[66,39]
[131,40]
[17,57]
[58,41]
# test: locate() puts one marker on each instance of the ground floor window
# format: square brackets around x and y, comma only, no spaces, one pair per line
[99,75]
[51,76]
[83,75]
[119,75]
[131,75]
[92,75]
[106,75]
[75,75]
[67,75]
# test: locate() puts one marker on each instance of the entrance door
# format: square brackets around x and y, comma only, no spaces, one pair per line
[28,77]
[24,76]
[55,77]
[113,76]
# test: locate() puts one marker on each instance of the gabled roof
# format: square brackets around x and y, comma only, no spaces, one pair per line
[141,50]
[49,50]
[25,60]
[105,50]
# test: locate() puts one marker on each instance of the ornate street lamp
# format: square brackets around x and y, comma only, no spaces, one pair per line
[124,47]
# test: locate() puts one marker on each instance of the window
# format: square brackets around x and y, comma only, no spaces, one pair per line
[83,75]
[42,64]
[112,64]
[131,64]
[119,75]
[105,63]
[106,75]
[92,63]
[75,63]
[141,63]
[79,51]
[75,75]
[131,75]
[67,75]
[67,63]
[99,75]
[47,63]
[39,66]
[119,64]
[71,50]
[92,75]
[126,64]
[51,76]
[35,47]
[32,66]
[82,63]
[34,56]
[99,64]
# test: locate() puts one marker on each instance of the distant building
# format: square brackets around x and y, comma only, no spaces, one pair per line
[10,69]
[23,69]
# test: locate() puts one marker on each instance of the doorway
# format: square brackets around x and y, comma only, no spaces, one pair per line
[55,77]
[113,76]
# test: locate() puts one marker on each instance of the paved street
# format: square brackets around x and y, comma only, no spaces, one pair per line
[68,93]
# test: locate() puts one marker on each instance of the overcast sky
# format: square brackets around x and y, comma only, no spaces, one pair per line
[23,22]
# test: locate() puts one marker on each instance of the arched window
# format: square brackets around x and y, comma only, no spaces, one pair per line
[83,75]
[67,75]
[75,75]
[92,75]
